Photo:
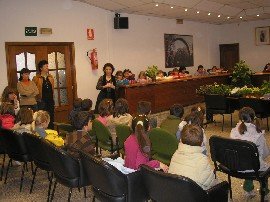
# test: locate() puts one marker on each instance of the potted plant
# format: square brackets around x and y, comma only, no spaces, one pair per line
[214,89]
[215,97]
[241,75]
[250,92]
[151,72]
[265,88]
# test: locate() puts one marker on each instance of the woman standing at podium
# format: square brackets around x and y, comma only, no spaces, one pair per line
[106,84]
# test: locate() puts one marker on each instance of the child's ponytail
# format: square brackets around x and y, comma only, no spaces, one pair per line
[247,115]
[257,124]
[242,127]
[140,125]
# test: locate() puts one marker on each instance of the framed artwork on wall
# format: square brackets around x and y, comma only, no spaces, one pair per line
[262,35]
[178,50]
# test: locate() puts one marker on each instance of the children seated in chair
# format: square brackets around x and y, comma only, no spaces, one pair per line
[7,115]
[142,78]
[195,117]
[144,108]
[120,116]
[189,160]
[248,128]
[80,139]
[172,122]
[105,110]
[41,123]
[138,147]
[25,120]
[120,80]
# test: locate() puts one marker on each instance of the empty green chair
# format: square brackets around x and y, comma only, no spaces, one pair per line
[122,133]
[103,137]
[163,145]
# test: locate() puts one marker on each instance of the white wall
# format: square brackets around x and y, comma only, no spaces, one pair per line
[136,48]
[244,34]
[69,21]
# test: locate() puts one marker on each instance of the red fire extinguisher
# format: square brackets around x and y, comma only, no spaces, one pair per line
[93,58]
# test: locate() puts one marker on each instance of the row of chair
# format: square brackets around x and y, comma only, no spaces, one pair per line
[229,156]
[218,104]
[108,183]
[163,144]
[57,162]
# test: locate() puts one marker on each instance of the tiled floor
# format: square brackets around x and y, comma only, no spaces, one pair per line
[10,191]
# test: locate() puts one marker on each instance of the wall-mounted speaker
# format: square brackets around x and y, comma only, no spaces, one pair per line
[121,23]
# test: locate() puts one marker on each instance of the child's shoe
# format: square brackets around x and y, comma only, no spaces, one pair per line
[250,194]
[17,163]
[267,197]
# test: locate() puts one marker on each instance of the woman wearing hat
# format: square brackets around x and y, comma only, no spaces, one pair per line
[27,90]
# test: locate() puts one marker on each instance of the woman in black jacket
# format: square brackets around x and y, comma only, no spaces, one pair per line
[106,84]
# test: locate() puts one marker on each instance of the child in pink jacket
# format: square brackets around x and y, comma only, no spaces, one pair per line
[137,146]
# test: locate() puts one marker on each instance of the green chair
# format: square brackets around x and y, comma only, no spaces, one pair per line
[122,133]
[103,137]
[163,145]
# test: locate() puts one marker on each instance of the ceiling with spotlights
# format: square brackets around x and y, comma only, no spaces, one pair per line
[209,11]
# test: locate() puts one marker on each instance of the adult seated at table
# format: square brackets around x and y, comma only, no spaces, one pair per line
[201,71]
[266,68]
[183,70]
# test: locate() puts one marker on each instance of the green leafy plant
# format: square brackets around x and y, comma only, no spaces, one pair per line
[241,75]
[265,88]
[152,71]
[214,89]
[247,91]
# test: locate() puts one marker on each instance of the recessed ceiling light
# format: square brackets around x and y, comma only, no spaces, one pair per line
[228,17]
[241,17]
[218,16]
[156,4]
[209,13]
[258,15]
[198,11]
[171,6]
[186,9]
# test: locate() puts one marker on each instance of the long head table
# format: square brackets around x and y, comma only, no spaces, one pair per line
[163,94]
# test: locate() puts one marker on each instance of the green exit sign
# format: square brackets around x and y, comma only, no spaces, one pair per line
[30,31]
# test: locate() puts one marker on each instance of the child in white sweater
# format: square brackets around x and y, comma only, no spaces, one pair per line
[189,160]
[195,117]
[248,128]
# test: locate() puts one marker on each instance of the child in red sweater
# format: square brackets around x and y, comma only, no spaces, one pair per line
[7,117]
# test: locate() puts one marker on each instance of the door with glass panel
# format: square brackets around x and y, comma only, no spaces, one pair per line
[60,59]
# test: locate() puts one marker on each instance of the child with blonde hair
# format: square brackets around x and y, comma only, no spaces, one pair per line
[248,128]
[41,123]
[142,78]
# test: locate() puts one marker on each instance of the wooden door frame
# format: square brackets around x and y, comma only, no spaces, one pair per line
[224,45]
[72,58]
